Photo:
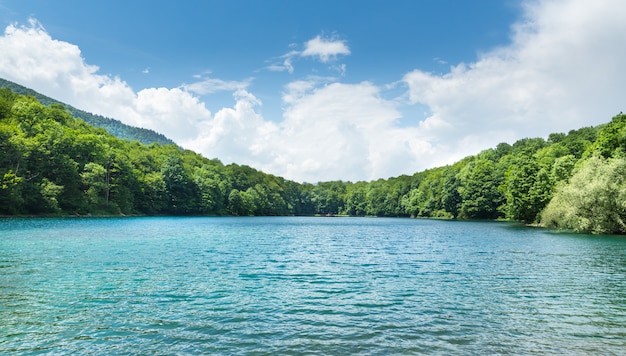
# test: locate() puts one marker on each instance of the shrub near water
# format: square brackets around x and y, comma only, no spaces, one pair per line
[593,201]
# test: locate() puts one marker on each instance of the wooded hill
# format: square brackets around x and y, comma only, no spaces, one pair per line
[112,126]
[54,163]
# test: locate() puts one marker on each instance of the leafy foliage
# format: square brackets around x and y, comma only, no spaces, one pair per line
[594,200]
[54,163]
[112,126]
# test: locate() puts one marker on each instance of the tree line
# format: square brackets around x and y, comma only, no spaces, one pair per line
[114,127]
[54,163]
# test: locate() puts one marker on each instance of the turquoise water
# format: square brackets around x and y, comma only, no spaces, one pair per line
[290,285]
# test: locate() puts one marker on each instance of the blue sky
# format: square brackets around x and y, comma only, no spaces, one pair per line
[237,40]
[324,90]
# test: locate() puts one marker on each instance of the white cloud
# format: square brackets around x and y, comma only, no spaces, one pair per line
[172,111]
[336,131]
[563,70]
[55,68]
[346,131]
[296,90]
[325,49]
[236,134]
[207,85]
[286,65]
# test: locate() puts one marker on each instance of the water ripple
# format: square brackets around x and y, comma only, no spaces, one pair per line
[307,286]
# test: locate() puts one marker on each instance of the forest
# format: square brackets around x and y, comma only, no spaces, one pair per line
[52,163]
[112,126]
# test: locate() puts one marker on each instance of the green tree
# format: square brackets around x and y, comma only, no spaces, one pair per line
[7,97]
[412,201]
[11,201]
[153,194]
[329,197]
[431,188]
[478,189]
[562,168]
[356,199]
[50,193]
[240,203]
[181,191]
[97,187]
[213,188]
[28,113]
[521,190]
[593,201]
[611,139]
[450,197]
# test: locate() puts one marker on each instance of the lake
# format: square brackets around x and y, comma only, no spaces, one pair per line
[305,285]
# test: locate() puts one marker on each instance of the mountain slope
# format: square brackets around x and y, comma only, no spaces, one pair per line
[52,163]
[114,127]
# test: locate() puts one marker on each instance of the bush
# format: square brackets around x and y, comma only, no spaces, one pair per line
[593,201]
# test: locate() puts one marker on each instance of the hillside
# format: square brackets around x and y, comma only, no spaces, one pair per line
[54,163]
[114,127]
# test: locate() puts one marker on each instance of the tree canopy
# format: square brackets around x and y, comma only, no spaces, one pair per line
[112,126]
[54,163]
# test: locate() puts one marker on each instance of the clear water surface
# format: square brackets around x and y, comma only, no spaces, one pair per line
[291,285]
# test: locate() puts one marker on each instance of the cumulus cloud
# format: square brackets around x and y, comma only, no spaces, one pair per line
[561,71]
[329,130]
[347,131]
[238,134]
[334,131]
[57,69]
[172,111]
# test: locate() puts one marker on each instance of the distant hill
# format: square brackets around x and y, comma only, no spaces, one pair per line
[114,127]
